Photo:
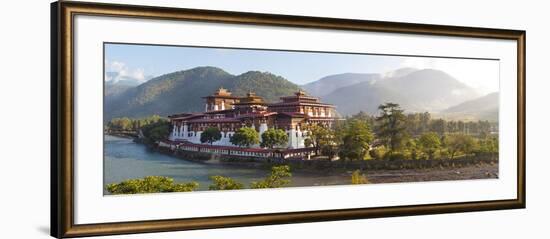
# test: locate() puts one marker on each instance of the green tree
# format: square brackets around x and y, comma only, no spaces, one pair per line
[274,137]
[391,126]
[492,144]
[319,136]
[412,148]
[308,142]
[488,145]
[358,178]
[245,136]
[456,143]
[355,137]
[378,152]
[429,143]
[224,183]
[277,178]
[364,117]
[128,124]
[424,123]
[439,126]
[156,131]
[150,184]
[211,135]
[121,124]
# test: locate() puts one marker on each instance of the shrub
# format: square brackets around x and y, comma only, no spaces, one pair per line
[358,178]
[395,156]
[224,183]
[378,152]
[276,179]
[150,184]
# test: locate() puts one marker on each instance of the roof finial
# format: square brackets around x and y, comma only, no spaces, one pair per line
[300,93]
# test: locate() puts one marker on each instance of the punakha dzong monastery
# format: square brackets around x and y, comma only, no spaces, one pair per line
[229,113]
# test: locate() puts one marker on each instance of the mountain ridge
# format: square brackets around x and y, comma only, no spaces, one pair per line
[329,83]
[414,91]
[182,91]
[482,108]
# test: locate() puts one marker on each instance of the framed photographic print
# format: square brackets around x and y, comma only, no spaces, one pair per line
[173,119]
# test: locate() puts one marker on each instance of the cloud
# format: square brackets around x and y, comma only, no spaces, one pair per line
[116,71]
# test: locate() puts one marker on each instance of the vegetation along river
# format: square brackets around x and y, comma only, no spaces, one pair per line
[125,159]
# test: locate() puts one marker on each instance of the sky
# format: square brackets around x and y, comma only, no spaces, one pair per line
[143,62]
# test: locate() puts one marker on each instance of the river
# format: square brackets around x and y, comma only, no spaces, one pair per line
[125,159]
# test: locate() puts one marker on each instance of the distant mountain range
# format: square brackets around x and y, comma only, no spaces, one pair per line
[415,90]
[182,91]
[329,84]
[482,108]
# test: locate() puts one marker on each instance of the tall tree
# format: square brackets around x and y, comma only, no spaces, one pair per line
[355,138]
[274,137]
[429,143]
[156,131]
[391,126]
[246,137]
[456,143]
[424,123]
[412,123]
[319,136]
[439,126]
[211,135]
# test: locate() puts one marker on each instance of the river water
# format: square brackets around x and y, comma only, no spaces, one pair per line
[125,159]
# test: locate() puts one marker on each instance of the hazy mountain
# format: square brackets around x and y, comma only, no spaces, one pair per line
[328,84]
[182,91]
[482,108]
[361,97]
[416,91]
[116,84]
[115,88]
[429,89]
[399,72]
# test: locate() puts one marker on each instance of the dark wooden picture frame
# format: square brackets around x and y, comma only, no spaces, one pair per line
[62,118]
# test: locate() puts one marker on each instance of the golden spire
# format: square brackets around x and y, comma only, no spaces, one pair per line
[222,91]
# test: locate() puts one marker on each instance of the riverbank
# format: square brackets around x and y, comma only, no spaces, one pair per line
[186,167]
[378,171]
[324,164]
[480,171]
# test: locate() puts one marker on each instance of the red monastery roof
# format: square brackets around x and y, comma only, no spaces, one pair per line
[257,114]
[293,114]
[298,103]
[185,116]
[250,101]
[217,120]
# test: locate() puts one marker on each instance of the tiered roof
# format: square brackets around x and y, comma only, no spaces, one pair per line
[222,93]
[300,98]
[250,99]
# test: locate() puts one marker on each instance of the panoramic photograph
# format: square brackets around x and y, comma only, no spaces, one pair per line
[188,118]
